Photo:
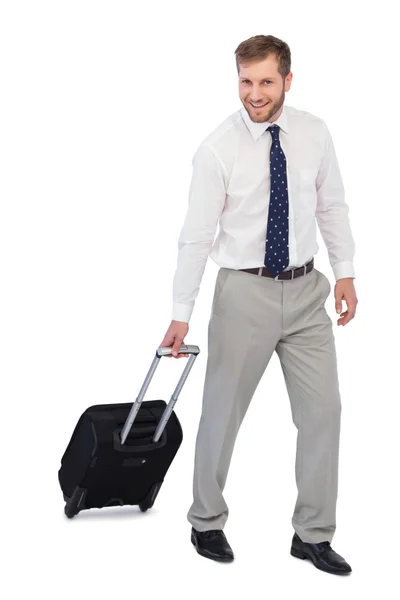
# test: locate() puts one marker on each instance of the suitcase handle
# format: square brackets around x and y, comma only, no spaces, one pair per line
[184,349]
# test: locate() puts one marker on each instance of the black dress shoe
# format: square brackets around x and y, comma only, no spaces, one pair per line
[321,554]
[212,544]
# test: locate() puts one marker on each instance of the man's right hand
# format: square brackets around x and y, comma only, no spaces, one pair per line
[175,337]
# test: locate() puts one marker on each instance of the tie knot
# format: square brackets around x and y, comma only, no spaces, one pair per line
[274,130]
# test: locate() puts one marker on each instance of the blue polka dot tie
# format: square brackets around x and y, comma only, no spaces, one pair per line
[277,241]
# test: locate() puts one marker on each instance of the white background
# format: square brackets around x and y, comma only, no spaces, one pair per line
[102,107]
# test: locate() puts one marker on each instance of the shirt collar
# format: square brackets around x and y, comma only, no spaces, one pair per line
[257,129]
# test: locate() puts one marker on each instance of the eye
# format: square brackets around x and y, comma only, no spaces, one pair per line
[247,81]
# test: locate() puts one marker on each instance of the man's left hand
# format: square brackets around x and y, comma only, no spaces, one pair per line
[344,290]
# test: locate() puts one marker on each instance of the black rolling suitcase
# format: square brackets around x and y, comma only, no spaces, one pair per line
[120,453]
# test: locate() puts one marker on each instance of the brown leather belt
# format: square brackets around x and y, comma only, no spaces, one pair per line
[292,274]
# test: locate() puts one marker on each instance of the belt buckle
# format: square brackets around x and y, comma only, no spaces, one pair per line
[292,271]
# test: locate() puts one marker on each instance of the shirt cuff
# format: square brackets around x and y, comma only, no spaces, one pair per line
[182,312]
[343,269]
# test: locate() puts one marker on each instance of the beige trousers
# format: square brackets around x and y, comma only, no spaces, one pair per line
[251,317]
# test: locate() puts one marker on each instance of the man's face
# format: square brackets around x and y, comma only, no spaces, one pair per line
[261,83]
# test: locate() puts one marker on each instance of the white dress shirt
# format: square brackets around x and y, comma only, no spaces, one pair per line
[230,187]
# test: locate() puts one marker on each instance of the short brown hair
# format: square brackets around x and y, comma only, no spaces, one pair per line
[259,47]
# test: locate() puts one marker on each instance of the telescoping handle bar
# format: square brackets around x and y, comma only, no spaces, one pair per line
[184,349]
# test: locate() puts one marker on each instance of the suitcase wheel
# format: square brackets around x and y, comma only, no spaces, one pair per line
[151,496]
[75,503]
[68,513]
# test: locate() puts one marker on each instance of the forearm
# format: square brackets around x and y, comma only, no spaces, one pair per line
[332,212]
[334,225]
[192,259]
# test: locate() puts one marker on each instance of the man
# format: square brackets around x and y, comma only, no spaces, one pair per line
[267,174]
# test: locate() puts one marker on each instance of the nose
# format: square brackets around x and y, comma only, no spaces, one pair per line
[256,94]
[256,99]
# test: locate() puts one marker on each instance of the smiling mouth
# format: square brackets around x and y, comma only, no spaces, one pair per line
[258,107]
